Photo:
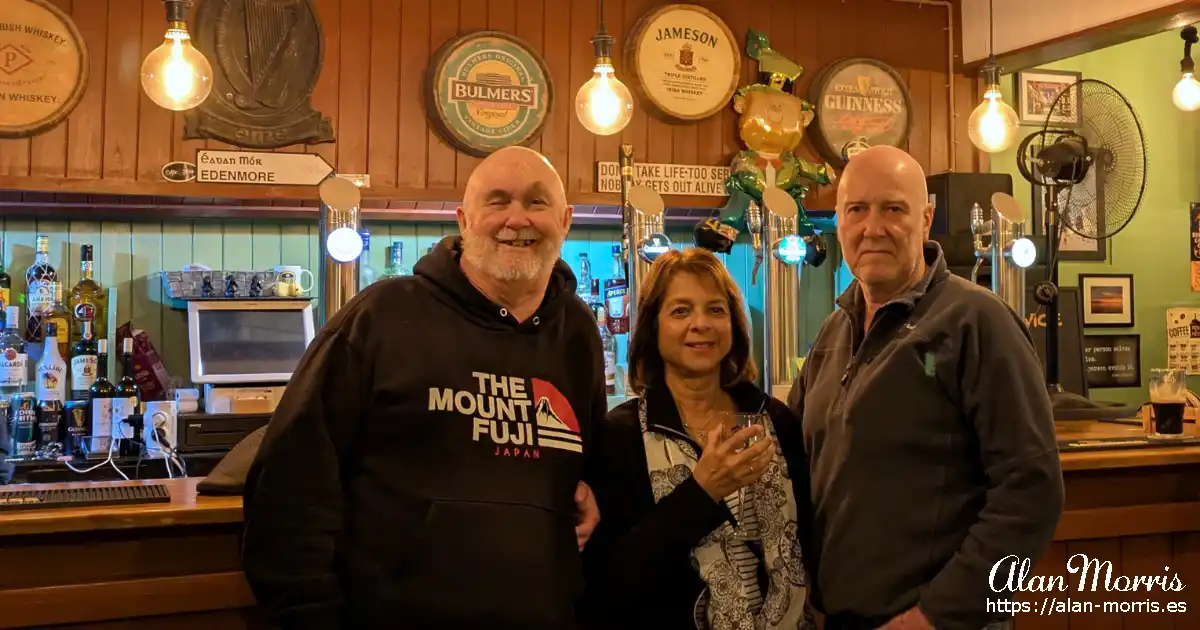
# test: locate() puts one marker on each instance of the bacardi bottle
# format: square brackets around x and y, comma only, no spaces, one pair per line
[14,367]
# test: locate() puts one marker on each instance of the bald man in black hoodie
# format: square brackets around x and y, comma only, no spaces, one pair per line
[424,469]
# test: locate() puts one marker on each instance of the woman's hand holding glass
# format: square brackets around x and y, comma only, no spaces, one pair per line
[726,466]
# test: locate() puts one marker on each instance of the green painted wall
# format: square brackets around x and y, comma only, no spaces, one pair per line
[1154,246]
[130,255]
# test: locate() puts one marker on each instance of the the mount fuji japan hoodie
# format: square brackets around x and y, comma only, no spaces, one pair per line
[421,468]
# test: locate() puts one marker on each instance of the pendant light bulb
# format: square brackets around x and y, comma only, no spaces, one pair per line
[175,75]
[604,105]
[993,125]
[1186,94]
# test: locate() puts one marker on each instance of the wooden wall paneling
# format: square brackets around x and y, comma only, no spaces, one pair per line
[919,140]
[85,126]
[325,97]
[266,247]
[607,148]
[577,174]
[556,132]
[384,89]
[443,26]
[414,137]
[685,143]
[293,247]
[1105,549]
[145,286]
[207,245]
[1053,562]
[155,124]
[48,150]
[116,269]
[529,25]
[354,87]
[884,40]
[939,85]
[176,253]
[237,245]
[711,132]
[635,133]
[472,16]
[122,94]
[964,102]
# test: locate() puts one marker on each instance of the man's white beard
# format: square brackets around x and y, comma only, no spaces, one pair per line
[483,252]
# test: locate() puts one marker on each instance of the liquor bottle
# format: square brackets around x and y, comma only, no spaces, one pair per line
[609,343]
[84,359]
[100,402]
[585,276]
[5,282]
[62,321]
[616,299]
[366,273]
[127,398]
[39,282]
[88,301]
[396,268]
[14,369]
[594,300]
[51,368]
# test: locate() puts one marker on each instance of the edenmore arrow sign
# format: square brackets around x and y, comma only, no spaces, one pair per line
[267,169]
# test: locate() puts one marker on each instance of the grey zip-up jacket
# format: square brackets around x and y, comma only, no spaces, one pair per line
[932,452]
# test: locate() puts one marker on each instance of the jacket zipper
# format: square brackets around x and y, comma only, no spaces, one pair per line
[853,365]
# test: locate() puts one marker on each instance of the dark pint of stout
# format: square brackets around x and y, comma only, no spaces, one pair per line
[1168,417]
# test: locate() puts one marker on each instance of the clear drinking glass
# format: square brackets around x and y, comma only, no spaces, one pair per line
[1168,397]
[744,512]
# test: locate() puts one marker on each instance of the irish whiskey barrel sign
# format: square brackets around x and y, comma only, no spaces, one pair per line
[684,62]
[860,103]
[43,67]
[488,90]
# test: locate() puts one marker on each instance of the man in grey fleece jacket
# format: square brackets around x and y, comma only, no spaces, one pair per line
[927,424]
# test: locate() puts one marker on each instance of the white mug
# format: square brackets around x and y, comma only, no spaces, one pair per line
[294,274]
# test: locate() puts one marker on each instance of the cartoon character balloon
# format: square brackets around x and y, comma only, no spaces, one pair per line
[771,124]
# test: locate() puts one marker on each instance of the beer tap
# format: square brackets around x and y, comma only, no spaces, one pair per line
[979,229]
[754,225]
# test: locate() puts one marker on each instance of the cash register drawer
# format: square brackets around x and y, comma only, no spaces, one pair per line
[200,432]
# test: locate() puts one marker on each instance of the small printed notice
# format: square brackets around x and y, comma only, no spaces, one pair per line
[666,179]
[1112,360]
[268,169]
[1183,340]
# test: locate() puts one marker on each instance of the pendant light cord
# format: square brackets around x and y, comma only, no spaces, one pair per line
[991,30]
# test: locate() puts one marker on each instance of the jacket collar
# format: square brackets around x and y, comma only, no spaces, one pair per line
[935,271]
[663,414]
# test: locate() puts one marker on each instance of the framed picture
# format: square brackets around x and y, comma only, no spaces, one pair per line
[1107,299]
[1113,360]
[1080,206]
[1036,91]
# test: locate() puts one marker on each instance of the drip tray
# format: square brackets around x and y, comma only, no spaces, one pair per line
[1120,443]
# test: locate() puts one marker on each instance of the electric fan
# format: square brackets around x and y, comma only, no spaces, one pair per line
[1088,162]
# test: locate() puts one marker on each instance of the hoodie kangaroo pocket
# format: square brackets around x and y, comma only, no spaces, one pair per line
[498,564]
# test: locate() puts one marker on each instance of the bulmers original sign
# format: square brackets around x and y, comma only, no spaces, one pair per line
[43,67]
[666,179]
[685,62]
[488,90]
[860,103]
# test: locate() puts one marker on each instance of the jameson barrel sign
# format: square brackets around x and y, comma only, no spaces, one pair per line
[488,90]
[43,67]
[860,103]
[685,62]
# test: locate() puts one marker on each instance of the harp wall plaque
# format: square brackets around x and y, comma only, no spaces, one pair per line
[268,55]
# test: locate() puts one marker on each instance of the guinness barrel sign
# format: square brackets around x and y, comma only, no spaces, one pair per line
[860,102]
[488,90]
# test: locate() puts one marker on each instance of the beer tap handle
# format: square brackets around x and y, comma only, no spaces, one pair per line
[754,223]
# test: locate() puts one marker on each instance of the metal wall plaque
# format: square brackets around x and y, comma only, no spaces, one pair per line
[860,102]
[487,90]
[266,57]
[43,67]
[684,61]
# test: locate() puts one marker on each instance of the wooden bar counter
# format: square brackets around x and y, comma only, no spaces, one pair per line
[160,565]
[176,565]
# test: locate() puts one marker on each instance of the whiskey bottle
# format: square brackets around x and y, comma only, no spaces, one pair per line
[127,398]
[100,402]
[39,281]
[88,301]
[5,282]
[84,359]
